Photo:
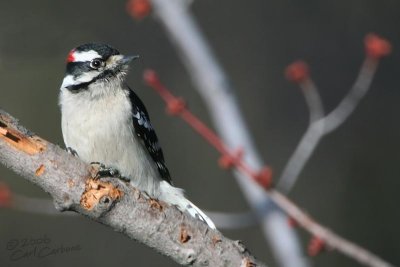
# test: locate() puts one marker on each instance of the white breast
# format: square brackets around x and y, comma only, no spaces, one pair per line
[100,129]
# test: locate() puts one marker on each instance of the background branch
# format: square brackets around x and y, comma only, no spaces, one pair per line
[115,203]
[321,125]
[321,234]
[213,85]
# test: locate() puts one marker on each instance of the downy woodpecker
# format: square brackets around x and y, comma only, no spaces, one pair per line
[104,121]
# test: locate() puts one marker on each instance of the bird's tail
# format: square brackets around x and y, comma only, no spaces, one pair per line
[174,196]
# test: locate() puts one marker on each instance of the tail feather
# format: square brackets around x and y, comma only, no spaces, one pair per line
[174,196]
[197,213]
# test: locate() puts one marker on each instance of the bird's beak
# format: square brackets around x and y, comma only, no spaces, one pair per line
[126,60]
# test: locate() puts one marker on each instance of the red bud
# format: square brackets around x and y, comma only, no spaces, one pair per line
[264,177]
[176,106]
[138,9]
[297,72]
[377,47]
[316,246]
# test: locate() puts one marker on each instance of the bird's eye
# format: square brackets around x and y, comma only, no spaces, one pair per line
[96,63]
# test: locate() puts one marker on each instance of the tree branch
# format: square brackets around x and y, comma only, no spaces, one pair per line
[320,124]
[45,206]
[213,85]
[321,235]
[115,203]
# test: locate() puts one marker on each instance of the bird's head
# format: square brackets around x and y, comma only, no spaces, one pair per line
[95,65]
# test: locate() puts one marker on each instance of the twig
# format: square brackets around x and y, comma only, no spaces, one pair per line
[361,86]
[213,85]
[313,100]
[321,125]
[298,72]
[331,239]
[175,106]
[115,203]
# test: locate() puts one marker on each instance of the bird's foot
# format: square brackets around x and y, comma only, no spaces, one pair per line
[72,151]
[103,171]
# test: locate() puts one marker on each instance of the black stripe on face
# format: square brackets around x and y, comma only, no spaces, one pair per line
[76,88]
[106,74]
[77,68]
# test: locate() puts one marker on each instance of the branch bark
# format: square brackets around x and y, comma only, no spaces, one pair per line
[115,203]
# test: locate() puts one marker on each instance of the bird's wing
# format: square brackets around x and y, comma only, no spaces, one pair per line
[147,135]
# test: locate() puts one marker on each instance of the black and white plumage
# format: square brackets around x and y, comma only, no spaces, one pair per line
[146,133]
[104,121]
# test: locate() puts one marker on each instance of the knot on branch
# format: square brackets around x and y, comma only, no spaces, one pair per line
[246,262]
[99,196]
[184,236]
[40,170]
[239,245]
[188,257]
[215,240]
[156,204]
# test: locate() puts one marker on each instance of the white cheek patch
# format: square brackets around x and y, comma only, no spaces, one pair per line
[86,77]
[68,80]
[85,56]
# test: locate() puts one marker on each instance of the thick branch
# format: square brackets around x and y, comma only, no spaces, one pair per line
[115,203]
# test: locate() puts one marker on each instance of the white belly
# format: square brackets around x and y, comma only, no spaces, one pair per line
[101,130]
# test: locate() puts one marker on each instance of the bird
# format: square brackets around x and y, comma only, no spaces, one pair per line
[104,121]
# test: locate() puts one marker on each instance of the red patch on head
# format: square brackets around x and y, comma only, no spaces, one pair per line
[70,57]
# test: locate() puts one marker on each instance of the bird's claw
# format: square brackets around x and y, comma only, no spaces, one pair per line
[72,151]
[103,171]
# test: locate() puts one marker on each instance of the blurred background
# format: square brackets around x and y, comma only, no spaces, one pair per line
[351,182]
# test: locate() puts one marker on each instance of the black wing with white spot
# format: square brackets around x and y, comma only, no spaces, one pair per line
[146,133]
